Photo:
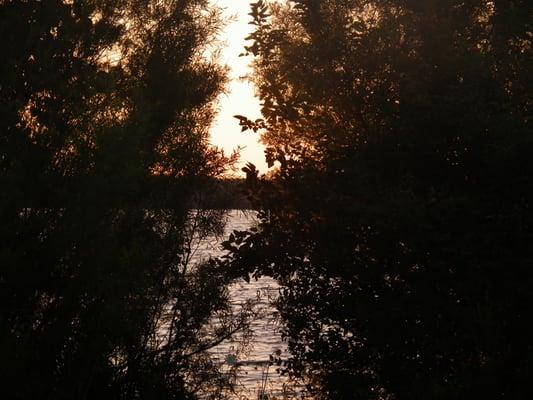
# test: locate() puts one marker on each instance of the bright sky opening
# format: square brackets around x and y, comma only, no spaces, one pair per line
[239,99]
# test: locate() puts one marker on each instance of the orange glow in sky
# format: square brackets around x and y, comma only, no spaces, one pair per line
[239,99]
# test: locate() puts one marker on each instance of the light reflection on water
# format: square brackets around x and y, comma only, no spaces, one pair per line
[252,360]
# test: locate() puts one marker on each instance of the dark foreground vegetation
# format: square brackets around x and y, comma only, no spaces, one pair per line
[105,108]
[397,217]
[399,221]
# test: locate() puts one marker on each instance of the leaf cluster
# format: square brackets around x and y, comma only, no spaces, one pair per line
[398,218]
[105,108]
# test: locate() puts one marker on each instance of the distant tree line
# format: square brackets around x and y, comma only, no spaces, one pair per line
[398,217]
[223,194]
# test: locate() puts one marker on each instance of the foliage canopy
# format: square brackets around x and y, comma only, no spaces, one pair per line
[104,114]
[398,219]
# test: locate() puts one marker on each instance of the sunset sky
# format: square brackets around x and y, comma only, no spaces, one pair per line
[239,98]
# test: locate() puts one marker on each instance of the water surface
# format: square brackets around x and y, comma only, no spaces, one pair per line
[254,372]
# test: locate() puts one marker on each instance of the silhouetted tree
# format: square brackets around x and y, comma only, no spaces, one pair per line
[398,219]
[105,108]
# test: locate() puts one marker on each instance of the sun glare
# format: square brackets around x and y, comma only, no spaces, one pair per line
[239,98]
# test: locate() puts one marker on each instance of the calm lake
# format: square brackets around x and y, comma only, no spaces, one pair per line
[254,373]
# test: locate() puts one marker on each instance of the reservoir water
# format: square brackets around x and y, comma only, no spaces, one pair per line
[255,375]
